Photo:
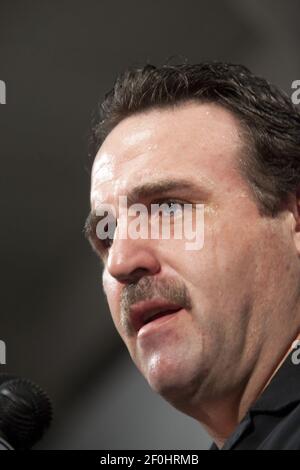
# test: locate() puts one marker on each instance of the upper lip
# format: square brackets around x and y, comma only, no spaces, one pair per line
[143,311]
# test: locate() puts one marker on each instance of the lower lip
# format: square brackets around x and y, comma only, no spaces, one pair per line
[157,324]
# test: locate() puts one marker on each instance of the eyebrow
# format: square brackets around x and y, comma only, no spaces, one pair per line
[148,190]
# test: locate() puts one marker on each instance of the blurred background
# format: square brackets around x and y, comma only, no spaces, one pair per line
[58,58]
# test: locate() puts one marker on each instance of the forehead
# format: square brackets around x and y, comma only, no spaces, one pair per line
[192,140]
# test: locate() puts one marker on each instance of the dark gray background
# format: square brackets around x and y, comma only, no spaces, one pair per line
[58,58]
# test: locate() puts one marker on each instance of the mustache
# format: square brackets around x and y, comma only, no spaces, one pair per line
[148,288]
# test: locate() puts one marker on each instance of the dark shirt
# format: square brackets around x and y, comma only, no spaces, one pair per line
[273,422]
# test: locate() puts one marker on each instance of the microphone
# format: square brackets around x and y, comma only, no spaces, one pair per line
[25,413]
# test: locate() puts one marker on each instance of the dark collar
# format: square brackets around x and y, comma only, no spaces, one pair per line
[282,392]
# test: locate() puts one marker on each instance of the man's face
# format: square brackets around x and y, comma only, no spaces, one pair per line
[222,292]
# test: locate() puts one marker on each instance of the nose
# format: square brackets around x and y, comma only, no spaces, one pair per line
[131,259]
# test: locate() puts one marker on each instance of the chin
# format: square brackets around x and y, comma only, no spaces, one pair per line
[169,377]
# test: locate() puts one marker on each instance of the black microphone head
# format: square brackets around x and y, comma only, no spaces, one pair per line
[25,412]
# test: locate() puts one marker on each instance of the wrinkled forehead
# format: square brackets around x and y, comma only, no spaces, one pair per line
[193,138]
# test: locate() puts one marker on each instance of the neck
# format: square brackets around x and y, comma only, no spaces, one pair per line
[222,417]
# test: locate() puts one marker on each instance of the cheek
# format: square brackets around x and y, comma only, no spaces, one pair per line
[110,286]
[225,268]
[112,293]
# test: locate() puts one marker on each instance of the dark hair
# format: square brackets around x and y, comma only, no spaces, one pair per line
[269,121]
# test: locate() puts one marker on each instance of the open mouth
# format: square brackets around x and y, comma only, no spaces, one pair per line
[148,312]
[157,322]
[158,315]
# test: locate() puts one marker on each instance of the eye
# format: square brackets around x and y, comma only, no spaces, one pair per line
[168,207]
[104,236]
